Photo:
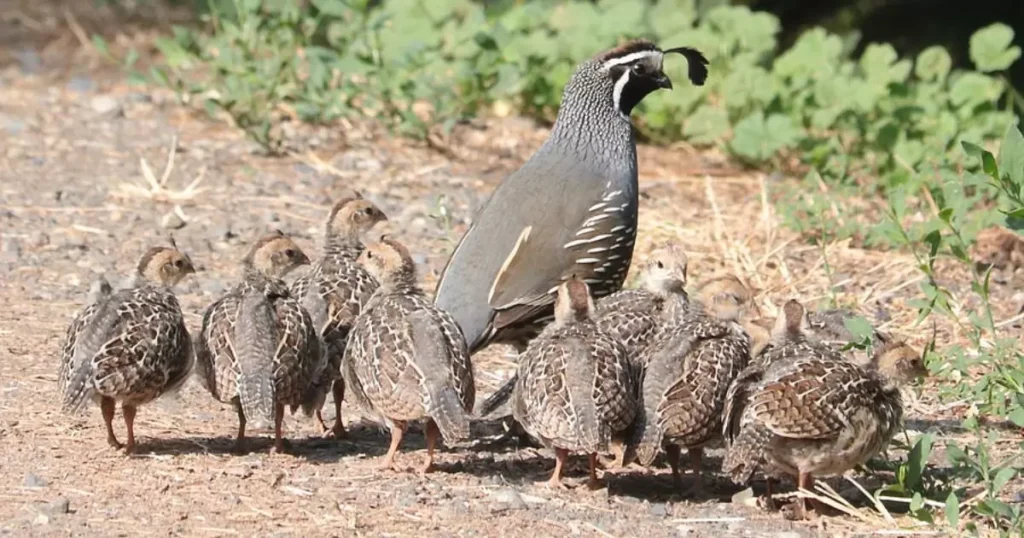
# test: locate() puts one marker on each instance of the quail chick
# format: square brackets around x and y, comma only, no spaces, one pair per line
[258,348]
[406,359]
[628,316]
[802,410]
[334,291]
[688,367]
[575,389]
[1000,248]
[129,346]
[728,299]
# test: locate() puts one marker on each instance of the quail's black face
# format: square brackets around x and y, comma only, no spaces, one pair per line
[636,71]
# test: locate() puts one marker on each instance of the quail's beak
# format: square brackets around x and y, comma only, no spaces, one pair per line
[663,82]
[302,259]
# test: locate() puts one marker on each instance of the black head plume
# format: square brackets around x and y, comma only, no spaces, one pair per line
[698,64]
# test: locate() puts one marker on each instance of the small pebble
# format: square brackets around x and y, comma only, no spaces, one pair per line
[81,84]
[172,221]
[32,480]
[57,507]
[510,498]
[659,510]
[106,106]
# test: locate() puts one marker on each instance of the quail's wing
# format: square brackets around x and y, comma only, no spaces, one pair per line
[299,360]
[462,366]
[537,228]
[91,329]
[214,353]
[139,358]
[809,398]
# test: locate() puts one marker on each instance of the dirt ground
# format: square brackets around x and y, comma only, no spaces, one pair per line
[74,206]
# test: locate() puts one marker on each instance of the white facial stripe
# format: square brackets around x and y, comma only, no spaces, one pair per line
[619,86]
[630,58]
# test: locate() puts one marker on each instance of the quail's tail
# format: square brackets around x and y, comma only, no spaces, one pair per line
[498,399]
[255,342]
[745,455]
[434,359]
[77,382]
[647,438]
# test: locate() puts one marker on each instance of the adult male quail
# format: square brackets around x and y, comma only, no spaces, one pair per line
[129,346]
[406,359]
[687,370]
[258,348]
[801,409]
[571,209]
[335,289]
[575,388]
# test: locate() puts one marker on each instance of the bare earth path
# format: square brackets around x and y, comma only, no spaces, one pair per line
[72,207]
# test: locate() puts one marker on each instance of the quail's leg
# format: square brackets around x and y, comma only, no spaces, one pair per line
[594,482]
[672,454]
[431,433]
[697,487]
[397,432]
[769,496]
[279,445]
[239,447]
[339,395]
[129,423]
[803,508]
[556,476]
[324,430]
[108,406]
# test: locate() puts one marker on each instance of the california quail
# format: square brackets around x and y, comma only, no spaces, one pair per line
[129,346]
[335,289]
[406,359]
[801,409]
[728,299]
[575,389]
[258,348]
[687,369]
[570,209]
[628,316]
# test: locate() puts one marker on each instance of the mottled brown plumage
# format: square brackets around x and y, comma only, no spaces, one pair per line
[258,348]
[803,410]
[688,368]
[129,346]
[406,359]
[575,387]
[335,290]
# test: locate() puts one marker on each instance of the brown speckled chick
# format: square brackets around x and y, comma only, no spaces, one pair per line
[258,348]
[728,299]
[803,410]
[335,290]
[1000,248]
[129,346]
[688,368]
[575,388]
[406,359]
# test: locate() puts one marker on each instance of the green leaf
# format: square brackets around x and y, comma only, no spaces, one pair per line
[859,327]
[1011,155]
[933,63]
[1017,416]
[953,510]
[881,64]
[992,48]
[1002,477]
[757,139]
[971,89]
[706,125]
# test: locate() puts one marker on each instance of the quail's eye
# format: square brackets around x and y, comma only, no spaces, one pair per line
[369,255]
[660,265]
[640,69]
[368,211]
[179,263]
[290,253]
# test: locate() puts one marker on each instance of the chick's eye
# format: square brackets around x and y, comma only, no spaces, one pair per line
[290,253]
[369,255]
[660,265]
[179,263]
